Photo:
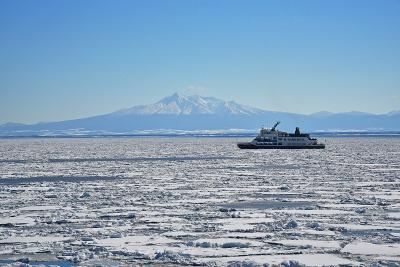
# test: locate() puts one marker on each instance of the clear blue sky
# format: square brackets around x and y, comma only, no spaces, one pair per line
[70,59]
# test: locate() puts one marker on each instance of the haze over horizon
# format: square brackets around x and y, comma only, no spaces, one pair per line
[71,59]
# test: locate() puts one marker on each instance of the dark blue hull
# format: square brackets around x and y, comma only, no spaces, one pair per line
[252,146]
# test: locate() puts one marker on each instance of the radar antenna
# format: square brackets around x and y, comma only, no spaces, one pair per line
[276,124]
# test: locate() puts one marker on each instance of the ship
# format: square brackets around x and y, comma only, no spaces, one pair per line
[274,139]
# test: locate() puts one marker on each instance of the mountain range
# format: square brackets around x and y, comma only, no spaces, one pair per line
[180,112]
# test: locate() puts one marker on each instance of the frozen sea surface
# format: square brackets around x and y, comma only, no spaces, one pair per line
[171,201]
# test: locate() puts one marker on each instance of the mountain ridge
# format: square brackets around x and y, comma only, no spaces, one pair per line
[180,104]
[194,113]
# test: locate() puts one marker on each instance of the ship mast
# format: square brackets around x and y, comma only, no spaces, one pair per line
[276,124]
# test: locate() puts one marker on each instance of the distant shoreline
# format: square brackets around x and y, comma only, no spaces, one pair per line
[199,135]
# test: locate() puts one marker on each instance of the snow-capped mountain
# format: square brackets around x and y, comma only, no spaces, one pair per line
[179,104]
[183,113]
